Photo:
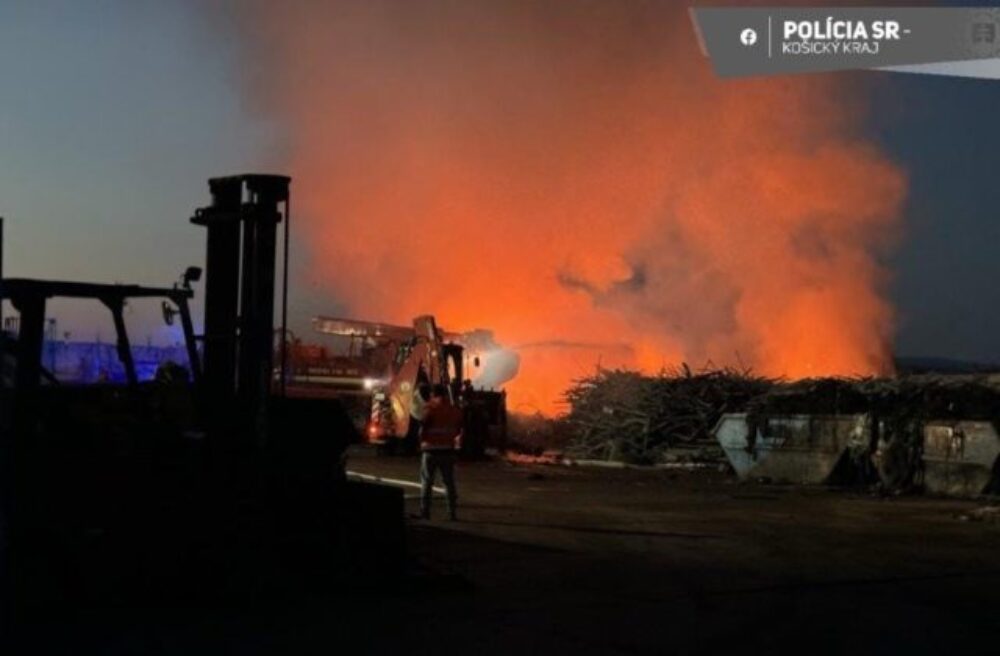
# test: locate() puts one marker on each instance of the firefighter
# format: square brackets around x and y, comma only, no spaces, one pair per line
[440,440]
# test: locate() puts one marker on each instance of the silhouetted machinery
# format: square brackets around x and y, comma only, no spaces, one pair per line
[206,483]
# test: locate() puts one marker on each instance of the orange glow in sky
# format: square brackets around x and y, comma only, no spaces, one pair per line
[573,176]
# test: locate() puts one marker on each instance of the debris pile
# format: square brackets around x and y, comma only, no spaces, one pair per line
[535,434]
[915,397]
[626,416]
[623,415]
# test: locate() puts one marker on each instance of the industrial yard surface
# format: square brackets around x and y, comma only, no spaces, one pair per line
[563,560]
[558,560]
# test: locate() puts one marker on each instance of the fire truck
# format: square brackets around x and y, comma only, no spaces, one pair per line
[424,354]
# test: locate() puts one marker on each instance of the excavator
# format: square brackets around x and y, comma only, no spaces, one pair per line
[425,354]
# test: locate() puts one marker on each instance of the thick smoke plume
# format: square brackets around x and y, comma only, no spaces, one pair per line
[572,175]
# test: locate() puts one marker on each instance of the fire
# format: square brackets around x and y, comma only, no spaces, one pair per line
[572,176]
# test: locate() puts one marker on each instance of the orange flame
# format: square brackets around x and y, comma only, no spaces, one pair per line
[573,176]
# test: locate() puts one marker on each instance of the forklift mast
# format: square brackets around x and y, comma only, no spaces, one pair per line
[242,224]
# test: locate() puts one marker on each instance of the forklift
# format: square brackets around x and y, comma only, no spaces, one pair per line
[205,483]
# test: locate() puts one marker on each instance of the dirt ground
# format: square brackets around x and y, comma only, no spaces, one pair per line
[555,560]
[627,561]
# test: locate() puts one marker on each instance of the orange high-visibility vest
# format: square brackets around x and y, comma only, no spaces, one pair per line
[442,426]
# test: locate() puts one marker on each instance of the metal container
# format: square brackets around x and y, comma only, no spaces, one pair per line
[959,457]
[792,448]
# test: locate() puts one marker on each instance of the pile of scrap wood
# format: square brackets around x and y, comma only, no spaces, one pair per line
[627,416]
[535,434]
[900,405]
[924,396]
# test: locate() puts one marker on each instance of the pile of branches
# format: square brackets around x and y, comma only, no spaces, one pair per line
[919,397]
[626,416]
[622,415]
[536,434]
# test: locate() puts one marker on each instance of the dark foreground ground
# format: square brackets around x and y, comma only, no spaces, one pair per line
[568,560]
